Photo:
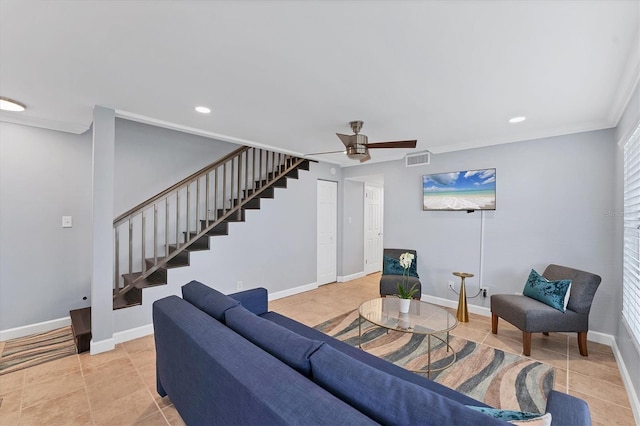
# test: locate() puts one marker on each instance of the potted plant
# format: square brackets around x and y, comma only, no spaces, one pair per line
[404,292]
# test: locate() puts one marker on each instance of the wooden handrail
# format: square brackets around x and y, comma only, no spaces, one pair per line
[131,212]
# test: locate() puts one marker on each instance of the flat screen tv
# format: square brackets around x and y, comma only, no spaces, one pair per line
[464,190]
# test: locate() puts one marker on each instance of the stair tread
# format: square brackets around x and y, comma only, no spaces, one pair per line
[150,281]
[132,298]
[175,262]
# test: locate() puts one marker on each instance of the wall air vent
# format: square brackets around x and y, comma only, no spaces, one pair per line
[418,159]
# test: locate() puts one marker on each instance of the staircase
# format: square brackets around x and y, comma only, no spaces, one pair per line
[160,233]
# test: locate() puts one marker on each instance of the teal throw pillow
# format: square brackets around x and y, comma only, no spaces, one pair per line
[391,266]
[552,293]
[517,417]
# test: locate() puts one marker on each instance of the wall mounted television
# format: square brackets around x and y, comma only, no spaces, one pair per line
[466,190]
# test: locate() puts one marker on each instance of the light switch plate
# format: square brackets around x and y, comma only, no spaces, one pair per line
[67,222]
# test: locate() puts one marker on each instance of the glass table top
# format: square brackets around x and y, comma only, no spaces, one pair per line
[422,318]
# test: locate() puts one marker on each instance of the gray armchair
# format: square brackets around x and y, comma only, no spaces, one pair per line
[532,316]
[392,275]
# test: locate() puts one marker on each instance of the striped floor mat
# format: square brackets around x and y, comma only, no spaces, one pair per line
[498,378]
[25,352]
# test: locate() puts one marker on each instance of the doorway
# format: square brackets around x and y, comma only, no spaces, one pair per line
[373,209]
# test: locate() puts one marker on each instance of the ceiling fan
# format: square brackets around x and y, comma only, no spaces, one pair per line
[357,145]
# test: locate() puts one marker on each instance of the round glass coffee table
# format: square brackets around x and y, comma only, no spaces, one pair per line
[422,318]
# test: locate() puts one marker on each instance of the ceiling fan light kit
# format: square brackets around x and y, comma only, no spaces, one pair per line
[357,145]
[357,152]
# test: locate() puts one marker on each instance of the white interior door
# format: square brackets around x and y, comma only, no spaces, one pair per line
[372,229]
[327,229]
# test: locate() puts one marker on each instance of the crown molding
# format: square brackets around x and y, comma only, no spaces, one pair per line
[61,126]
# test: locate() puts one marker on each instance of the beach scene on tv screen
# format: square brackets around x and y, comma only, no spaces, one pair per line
[464,190]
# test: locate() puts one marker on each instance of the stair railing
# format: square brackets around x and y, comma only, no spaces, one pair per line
[157,230]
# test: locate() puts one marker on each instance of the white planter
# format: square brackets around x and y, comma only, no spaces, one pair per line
[404,305]
[403,321]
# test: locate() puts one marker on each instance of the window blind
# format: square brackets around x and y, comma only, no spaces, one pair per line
[631,250]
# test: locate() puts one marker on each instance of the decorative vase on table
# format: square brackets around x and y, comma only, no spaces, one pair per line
[404,305]
[404,292]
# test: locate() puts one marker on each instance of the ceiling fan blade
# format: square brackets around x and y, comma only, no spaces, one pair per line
[347,140]
[327,152]
[366,158]
[393,144]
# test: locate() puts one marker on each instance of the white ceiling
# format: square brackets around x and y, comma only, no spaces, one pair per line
[290,74]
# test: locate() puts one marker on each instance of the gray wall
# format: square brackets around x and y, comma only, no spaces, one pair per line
[552,199]
[44,269]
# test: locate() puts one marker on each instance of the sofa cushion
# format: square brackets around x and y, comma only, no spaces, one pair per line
[369,359]
[385,398]
[289,347]
[208,299]
[255,300]
[552,293]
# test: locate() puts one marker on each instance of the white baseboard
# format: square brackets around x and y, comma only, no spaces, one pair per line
[105,345]
[480,310]
[634,400]
[345,278]
[41,327]
[292,291]
[132,333]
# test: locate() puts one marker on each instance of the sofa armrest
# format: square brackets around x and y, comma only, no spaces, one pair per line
[255,300]
[567,410]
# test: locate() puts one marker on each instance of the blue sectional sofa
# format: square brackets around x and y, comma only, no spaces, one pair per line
[228,360]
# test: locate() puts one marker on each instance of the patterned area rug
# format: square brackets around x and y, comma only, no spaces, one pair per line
[32,350]
[499,379]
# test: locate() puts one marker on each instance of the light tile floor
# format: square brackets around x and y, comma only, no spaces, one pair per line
[118,387]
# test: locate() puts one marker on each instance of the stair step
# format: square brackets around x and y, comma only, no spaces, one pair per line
[233,217]
[253,204]
[200,244]
[280,183]
[304,165]
[157,278]
[220,229]
[266,193]
[293,174]
[178,261]
[131,298]
[81,328]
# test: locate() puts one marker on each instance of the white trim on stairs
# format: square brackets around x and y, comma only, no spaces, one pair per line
[105,345]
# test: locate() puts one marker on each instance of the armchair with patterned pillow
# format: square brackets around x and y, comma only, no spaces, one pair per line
[559,300]
[392,273]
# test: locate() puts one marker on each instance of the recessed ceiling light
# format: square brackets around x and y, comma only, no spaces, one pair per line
[203,110]
[519,119]
[7,104]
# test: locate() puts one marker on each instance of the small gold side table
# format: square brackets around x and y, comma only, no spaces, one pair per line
[463,314]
